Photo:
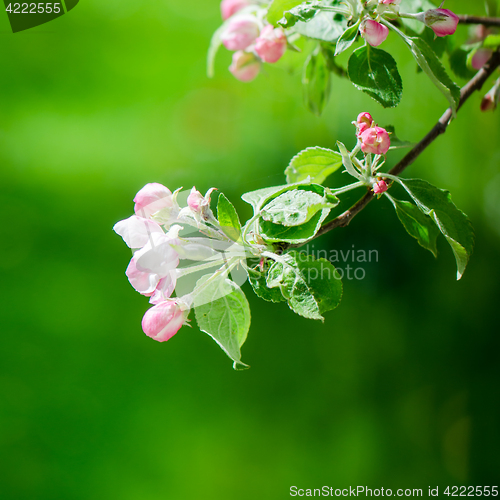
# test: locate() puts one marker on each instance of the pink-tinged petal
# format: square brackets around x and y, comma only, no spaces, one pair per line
[230,7]
[196,200]
[373,32]
[480,58]
[136,231]
[164,320]
[158,256]
[241,32]
[245,66]
[165,288]
[151,198]
[375,140]
[271,44]
[144,282]
[363,122]
[442,21]
[380,187]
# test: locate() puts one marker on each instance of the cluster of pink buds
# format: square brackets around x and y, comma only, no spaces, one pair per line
[442,21]
[252,41]
[373,139]
[153,236]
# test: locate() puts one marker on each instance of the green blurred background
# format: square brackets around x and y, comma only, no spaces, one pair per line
[398,388]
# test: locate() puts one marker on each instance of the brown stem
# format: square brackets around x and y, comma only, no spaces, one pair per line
[440,128]
[485,21]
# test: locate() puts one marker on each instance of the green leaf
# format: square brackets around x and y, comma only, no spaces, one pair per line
[275,233]
[310,286]
[432,66]
[316,82]
[277,9]
[294,208]
[324,26]
[297,234]
[396,142]
[222,311]
[438,44]
[316,163]
[491,42]
[458,64]
[452,222]
[259,197]
[347,38]
[418,225]
[375,72]
[228,218]
[259,284]
[302,13]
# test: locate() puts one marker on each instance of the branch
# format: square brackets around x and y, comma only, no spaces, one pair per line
[485,21]
[440,128]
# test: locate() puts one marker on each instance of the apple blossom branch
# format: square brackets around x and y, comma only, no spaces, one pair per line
[485,21]
[440,128]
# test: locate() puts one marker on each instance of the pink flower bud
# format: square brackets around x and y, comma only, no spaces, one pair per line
[151,198]
[491,99]
[390,2]
[442,21]
[375,140]
[271,44]
[488,103]
[480,58]
[241,32]
[363,122]
[196,201]
[164,320]
[245,66]
[374,33]
[380,187]
[230,7]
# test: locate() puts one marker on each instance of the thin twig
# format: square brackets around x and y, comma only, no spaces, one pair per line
[485,21]
[440,128]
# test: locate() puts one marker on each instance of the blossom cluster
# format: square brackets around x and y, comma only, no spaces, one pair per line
[442,21]
[372,139]
[153,235]
[253,41]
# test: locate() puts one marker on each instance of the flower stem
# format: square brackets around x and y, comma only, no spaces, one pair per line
[350,187]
